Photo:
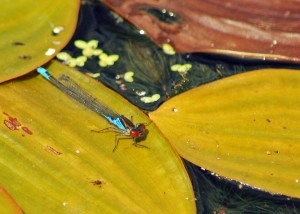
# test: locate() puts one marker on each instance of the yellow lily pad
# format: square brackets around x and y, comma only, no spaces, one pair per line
[33,32]
[244,127]
[8,204]
[52,162]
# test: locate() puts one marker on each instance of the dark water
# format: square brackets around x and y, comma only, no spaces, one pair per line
[153,75]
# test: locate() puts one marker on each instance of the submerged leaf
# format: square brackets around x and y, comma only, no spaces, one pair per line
[246,29]
[51,160]
[245,127]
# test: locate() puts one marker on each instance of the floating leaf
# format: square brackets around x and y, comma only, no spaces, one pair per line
[107,60]
[128,76]
[69,60]
[168,49]
[92,44]
[181,68]
[88,48]
[32,32]
[150,99]
[51,160]
[8,204]
[245,127]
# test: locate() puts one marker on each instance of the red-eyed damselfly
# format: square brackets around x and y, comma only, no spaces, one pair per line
[121,124]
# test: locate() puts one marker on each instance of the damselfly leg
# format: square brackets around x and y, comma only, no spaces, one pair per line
[136,144]
[121,135]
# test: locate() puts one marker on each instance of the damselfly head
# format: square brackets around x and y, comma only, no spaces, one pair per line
[138,131]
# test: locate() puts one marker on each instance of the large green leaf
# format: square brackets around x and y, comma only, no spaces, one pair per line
[245,127]
[55,163]
[27,38]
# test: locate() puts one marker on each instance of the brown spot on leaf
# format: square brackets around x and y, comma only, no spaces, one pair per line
[10,125]
[27,130]
[98,183]
[53,151]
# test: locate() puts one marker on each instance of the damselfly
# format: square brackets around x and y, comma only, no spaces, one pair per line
[121,124]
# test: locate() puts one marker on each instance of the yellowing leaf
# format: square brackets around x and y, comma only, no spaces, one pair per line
[51,161]
[8,204]
[33,32]
[245,127]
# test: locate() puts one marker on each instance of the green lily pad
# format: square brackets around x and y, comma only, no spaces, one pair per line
[51,161]
[244,127]
[33,32]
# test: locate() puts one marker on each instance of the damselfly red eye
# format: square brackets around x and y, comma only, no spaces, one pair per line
[134,133]
[138,131]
